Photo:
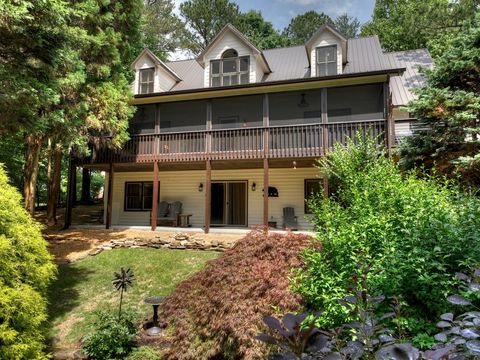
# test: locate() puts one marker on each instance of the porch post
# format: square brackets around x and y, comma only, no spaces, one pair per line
[266,143]
[265,193]
[70,194]
[390,126]
[155,196]
[108,222]
[323,100]
[208,196]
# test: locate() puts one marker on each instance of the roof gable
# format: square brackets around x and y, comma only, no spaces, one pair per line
[230,29]
[147,53]
[325,28]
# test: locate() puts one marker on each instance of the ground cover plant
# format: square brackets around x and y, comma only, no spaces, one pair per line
[25,273]
[417,231]
[85,287]
[217,312]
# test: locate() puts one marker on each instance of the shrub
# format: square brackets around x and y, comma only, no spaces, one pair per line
[143,353]
[219,310]
[26,271]
[111,337]
[419,232]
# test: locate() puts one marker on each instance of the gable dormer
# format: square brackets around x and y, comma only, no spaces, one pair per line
[327,50]
[231,59]
[152,75]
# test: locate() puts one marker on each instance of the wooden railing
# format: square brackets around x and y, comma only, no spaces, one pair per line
[288,141]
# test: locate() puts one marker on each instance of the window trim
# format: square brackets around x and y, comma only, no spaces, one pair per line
[125,209]
[238,73]
[321,181]
[148,83]
[318,62]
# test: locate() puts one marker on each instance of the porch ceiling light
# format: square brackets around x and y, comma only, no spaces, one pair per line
[303,101]
[294,164]
[200,187]
[254,186]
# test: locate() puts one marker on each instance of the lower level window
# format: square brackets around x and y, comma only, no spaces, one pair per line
[138,196]
[312,188]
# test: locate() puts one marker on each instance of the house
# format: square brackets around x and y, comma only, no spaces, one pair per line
[233,134]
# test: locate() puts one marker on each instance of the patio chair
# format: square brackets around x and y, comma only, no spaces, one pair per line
[171,218]
[289,219]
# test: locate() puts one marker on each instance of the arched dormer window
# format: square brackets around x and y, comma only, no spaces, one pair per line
[231,69]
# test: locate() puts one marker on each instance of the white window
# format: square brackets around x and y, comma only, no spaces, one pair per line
[146,81]
[327,60]
[230,70]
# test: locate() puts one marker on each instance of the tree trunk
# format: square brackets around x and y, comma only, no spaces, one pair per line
[86,179]
[34,144]
[54,186]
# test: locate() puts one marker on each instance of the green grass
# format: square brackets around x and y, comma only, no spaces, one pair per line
[85,286]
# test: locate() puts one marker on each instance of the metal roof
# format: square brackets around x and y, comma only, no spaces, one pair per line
[364,55]
[412,60]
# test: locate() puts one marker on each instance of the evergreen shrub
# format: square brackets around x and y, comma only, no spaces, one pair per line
[26,270]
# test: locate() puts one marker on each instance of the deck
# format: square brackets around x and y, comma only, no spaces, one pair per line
[273,142]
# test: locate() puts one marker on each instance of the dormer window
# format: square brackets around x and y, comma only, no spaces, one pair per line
[146,81]
[230,70]
[326,60]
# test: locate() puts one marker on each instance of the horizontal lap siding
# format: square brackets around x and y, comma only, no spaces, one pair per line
[183,186]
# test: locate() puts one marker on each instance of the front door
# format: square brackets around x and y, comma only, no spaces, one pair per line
[229,203]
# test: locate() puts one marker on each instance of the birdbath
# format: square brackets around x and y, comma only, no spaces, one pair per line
[155,301]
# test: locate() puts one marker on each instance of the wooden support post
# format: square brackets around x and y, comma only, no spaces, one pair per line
[390,123]
[70,194]
[323,100]
[265,193]
[108,220]
[155,197]
[208,196]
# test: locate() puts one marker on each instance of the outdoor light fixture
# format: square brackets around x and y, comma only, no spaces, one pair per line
[254,186]
[294,164]
[303,102]
[200,187]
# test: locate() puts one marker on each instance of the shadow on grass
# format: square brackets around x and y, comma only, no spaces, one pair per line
[63,295]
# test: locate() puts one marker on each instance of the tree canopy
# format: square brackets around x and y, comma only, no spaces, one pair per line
[302,27]
[448,106]
[410,24]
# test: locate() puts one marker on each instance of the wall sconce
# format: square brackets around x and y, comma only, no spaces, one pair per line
[254,186]
[200,187]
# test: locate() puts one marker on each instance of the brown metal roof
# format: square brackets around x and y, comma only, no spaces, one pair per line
[364,55]
[402,85]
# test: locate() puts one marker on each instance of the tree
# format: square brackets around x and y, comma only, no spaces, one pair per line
[206,18]
[26,270]
[260,32]
[409,24]
[34,36]
[347,25]
[302,27]
[448,106]
[162,30]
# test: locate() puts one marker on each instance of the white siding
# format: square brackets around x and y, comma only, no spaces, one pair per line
[183,186]
[228,41]
[326,38]
[163,81]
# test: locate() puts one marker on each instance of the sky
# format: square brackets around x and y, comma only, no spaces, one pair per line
[280,12]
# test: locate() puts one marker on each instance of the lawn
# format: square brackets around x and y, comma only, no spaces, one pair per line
[85,286]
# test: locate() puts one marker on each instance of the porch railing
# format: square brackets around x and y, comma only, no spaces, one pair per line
[311,140]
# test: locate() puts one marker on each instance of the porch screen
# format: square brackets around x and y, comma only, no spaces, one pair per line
[237,112]
[295,108]
[355,103]
[183,116]
[143,122]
